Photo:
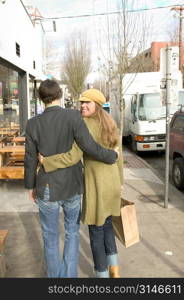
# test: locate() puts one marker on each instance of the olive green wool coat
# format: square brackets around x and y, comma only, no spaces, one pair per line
[103,181]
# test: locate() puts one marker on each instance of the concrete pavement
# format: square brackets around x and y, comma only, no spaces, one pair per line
[160,251]
[158,254]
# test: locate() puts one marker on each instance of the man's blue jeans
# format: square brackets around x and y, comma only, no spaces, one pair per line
[58,266]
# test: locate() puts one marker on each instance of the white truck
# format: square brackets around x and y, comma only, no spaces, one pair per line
[144,114]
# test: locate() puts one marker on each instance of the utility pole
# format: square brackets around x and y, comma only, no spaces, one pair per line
[168,104]
[169,88]
[180,10]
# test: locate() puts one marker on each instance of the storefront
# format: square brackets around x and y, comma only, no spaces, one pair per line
[21,65]
[21,61]
[13,97]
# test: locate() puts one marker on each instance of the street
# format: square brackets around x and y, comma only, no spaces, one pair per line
[156,160]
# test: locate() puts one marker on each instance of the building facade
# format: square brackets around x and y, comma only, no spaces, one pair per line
[21,62]
[149,60]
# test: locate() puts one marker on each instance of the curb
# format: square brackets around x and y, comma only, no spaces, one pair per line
[172,187]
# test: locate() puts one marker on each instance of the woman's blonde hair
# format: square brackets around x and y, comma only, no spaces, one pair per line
[109,130]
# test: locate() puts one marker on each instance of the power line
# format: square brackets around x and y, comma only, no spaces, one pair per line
[108,13]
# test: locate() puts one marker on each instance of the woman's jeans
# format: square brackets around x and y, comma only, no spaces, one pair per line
[49,212]
[102,240]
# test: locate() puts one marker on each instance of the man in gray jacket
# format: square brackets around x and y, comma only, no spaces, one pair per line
[53,132]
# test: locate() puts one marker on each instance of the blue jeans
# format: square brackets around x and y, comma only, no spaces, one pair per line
[102,240]
[58,266]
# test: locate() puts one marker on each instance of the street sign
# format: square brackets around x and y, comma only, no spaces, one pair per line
[173,91]
[175,75]
[174,61]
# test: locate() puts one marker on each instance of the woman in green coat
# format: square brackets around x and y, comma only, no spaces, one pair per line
[103,182]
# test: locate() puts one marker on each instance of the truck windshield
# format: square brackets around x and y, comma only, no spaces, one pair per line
[150,107]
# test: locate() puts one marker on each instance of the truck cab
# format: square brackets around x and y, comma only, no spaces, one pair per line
[146,122]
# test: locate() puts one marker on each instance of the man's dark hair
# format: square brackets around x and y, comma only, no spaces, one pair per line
[49,90]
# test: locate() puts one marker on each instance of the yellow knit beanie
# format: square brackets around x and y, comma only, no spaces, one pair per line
[93,95]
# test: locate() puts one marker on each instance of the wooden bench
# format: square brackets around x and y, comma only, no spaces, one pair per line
[16,158]
[8,150]
[8,132]
[12,162]
[3,236]
[12,172]
[18,140]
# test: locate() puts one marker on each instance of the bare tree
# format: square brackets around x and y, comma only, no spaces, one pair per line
[101,85]
[77,63]
[126,38]
[133,27]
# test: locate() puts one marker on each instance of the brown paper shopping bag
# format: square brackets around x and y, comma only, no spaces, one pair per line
[125,225]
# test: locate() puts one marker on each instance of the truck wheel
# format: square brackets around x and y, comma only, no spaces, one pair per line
[178,173]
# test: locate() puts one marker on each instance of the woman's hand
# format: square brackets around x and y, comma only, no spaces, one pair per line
[40,158]
[116,149]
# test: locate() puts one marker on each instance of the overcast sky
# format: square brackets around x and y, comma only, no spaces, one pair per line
[50,8]
[64,8]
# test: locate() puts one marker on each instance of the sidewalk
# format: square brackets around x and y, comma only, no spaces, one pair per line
[158,254]
[160,251]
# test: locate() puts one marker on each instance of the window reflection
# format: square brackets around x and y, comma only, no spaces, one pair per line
[9,98]
[150,107]
[36,106]
[32,97]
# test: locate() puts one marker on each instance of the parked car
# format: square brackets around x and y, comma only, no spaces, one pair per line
[177,148]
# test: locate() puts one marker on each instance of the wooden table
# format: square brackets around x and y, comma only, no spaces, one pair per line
[8,171]
[11,149]
[18,140]
[12,132]
[19,148]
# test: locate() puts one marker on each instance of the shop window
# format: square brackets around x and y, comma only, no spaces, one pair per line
[9,97]
[36,106]
[32,97]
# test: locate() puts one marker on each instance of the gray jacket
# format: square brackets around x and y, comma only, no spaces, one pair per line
[53,132]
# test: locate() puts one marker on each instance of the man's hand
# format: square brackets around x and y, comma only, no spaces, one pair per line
[32,195]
